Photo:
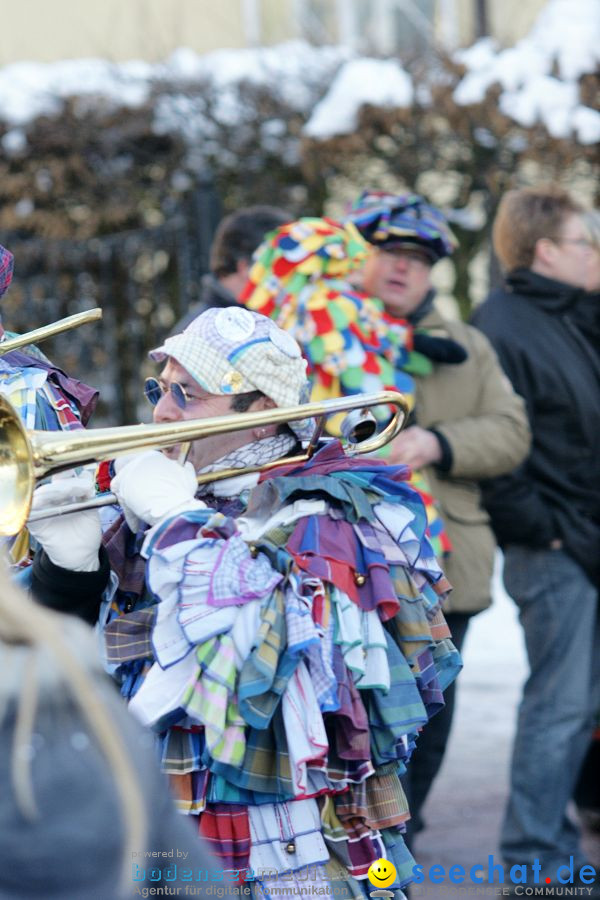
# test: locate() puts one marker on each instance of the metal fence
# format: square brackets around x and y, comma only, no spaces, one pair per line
[144,280]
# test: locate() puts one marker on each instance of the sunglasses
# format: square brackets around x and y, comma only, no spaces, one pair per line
[407,253]
[153,391]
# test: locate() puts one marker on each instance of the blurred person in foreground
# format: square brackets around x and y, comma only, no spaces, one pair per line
[546,515]
[84,810]
[467,423]
[236,238]
[247,624]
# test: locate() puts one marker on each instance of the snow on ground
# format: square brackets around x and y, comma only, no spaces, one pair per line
[464,810]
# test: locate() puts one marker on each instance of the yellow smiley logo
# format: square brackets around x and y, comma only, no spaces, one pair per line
[382,873]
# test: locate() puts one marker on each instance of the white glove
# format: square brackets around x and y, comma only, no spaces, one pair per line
[71,541]
[150,487]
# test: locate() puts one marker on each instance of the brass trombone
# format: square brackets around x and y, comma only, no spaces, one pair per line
[26,456]
[47,331]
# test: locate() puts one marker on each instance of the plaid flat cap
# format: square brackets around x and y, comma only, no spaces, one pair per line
[236,351]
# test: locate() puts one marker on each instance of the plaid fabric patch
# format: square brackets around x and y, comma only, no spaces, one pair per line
[190,791]
[319,659]
[350,842]
[399,854]
[342,772]
[301,631]
[396,713]
[54,411]
[226,829]
[266,766]
[7,262]
[428,683]
[237,576]
[182,750]
[348,726]
[20,386]
[210,700]
[286,836]
[304,727]
[267,670]
[222,791]
[342,883]
[129,636]
[439,627]
[129,565]
[380,801]
[448,662]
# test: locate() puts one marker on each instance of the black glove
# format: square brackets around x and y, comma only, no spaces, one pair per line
[439,349]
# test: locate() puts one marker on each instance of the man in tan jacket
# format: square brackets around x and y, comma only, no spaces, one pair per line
[468,424]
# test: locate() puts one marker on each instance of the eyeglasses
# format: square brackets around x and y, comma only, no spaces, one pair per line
[411,256]
[581,242]
[153,391]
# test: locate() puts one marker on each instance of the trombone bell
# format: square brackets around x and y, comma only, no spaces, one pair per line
[17,479]
[359,425]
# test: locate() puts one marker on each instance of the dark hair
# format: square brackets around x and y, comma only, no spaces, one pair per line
[241,403]
[240,233]
[524,217]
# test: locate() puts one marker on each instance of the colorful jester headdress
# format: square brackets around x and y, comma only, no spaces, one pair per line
[300,279]
[407,219]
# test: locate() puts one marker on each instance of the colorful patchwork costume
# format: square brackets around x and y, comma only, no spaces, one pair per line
[285,641]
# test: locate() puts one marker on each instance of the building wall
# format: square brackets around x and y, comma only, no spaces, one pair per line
[49,30]
[508,20]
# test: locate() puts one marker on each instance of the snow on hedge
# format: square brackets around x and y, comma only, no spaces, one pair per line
[540,74]
[539,81]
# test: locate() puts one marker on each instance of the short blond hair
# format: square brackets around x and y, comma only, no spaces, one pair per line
[526,215]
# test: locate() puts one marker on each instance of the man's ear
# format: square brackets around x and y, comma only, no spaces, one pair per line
[242,267]
[544,252]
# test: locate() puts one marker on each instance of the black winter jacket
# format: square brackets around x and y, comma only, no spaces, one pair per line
[532,324]
[65,591]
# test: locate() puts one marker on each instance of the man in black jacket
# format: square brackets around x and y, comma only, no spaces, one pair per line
[546,515]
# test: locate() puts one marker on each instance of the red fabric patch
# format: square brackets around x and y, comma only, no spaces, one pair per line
[323,321]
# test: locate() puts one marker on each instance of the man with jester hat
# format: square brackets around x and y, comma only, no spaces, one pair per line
[466,423]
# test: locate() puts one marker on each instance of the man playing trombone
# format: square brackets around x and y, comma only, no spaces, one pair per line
[279,629]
